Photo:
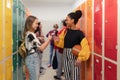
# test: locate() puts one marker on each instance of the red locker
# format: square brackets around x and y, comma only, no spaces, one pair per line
[97,68]
[111,29]
[98,26]
[110,71]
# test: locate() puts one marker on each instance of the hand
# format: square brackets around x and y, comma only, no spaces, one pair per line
[78,62]
[49,37]
[41,38]
[56,38]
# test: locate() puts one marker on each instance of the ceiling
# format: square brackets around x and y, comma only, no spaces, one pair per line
[47,2]
[57,8]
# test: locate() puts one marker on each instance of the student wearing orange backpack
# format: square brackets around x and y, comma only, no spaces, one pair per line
[59,52]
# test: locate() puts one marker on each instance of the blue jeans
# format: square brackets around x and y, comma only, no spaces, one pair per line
[51,54]
[33,65]
[60,61]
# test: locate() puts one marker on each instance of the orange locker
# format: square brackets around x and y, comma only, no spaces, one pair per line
[83,20]
[98,26]
[1,22]
[85,24]
[89,21]
[8,67]
[111,29]
[89,38]
[8,27]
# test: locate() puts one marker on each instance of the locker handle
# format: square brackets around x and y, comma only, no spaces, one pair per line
[101,43]
[97,60]
[109,67]
[117,47]
[106,21]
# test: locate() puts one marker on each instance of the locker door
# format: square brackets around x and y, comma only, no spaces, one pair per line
[8,27]
[89,38]
[98,26]
[1,72]
[97,68]
[89,22]
[14,24]
[8,67]
[111,29]
[19,20]
[1,22]
[110,71]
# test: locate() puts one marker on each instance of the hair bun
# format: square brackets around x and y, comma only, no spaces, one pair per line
[78,14]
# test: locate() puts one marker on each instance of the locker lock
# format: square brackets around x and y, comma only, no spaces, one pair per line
[106,21]
[97,60]
[109,67]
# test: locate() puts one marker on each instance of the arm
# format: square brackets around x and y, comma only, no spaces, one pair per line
[45,44]
[48,34]
[85,51]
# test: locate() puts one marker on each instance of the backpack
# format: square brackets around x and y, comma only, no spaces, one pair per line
[22,50]
[55,62]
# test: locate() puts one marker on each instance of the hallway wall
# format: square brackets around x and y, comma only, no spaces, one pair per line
[50,15]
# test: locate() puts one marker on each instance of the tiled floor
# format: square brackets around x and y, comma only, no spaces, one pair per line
[49,72]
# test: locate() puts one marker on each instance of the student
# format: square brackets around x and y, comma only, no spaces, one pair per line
[52,33]
[59,52]
[32,45]
[40,36]
[74,37]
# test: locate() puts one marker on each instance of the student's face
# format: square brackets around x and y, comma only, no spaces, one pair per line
[35,24]
[69,21]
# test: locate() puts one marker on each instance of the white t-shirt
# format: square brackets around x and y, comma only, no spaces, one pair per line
[31,42]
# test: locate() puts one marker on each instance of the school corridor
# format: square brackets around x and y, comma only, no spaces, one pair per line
[99,22]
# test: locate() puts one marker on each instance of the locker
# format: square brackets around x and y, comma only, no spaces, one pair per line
[1,55]
[89,22]
[22,16]
[15,69]
[83,24]
[8,27]
[97,68]
[89,38]
[98,26]
[14,62]
[111,29]
[1,72]
[8,67]
[110,71]
[14,24]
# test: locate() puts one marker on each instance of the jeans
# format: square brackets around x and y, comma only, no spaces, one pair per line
[51,54]
[33,65]
[60,61]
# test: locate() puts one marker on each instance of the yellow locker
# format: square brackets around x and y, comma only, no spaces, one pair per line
[1,22]
[1,72]
[8,27]
[8,69]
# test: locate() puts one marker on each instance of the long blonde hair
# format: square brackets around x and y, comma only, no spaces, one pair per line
[28,24]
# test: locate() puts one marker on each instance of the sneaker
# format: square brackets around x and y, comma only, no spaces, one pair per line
[62,73]
[55,77]
[49,66]
[42,68]
[42,72]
